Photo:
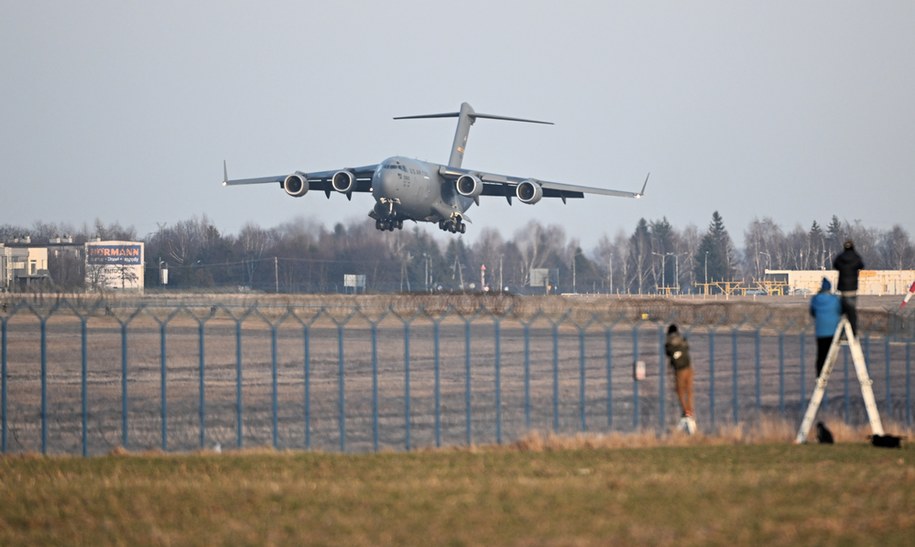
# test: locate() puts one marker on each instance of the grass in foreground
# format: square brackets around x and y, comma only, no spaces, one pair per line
[531,493]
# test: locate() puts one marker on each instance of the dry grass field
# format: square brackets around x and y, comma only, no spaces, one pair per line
[621,489]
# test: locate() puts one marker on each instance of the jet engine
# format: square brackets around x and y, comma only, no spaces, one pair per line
[296,185]
[469,185]
[529,192]
[343,181]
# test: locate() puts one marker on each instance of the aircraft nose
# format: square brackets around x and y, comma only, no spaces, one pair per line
[384,182]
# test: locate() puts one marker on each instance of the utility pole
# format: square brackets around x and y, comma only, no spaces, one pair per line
[677,271]
[574,255]
[663,269]
[276,275]
[426,278]
[705,292]
[610,267]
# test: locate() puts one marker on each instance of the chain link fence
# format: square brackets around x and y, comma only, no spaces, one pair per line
[352,374]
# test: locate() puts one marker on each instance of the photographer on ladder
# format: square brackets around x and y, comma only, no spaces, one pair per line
[826,309]
[849,263]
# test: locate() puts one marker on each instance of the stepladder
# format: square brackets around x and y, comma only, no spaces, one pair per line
[844,335]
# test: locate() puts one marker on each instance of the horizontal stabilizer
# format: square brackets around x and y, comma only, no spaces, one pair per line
[472,116]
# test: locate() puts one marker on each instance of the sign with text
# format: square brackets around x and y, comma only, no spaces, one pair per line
[114,254]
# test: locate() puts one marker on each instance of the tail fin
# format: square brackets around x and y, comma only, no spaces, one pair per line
[466,118]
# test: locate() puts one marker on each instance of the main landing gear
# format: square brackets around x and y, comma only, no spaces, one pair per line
[454,225]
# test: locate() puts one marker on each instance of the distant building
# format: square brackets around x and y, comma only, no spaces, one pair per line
[870,282]
[117,265]
[23,267]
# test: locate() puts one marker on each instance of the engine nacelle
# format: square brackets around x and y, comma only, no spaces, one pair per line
[469,185]
[296,185]
[343,181]
[529,192]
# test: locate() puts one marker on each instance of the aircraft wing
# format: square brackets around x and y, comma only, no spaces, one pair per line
[505,185]
[317,180]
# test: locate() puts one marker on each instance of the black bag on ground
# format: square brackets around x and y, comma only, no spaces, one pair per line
[886,441]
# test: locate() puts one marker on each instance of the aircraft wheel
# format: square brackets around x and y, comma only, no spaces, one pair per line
[463,228]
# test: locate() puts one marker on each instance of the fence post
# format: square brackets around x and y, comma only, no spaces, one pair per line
[711,376]
[341,391]
[124,405]
[734,373]
[83,391]
[803,373]
[908,388]
[581,379]
[163,376]
[438,383]
[555,377]
[306,334]
[44,385]
[202,361]
[635,384]
[498,378]
[3,372]
[375,430]
[662,374]
[406,372]
[609,338]
[527,376]
[757,342]
[467,411]
[886,352]
[274,388]
[239,442]
[781,373]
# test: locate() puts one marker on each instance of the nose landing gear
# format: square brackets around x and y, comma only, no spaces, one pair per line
[388,224]
[385,215]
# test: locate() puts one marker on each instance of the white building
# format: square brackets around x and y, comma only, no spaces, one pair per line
[115,265]
[870,282]
[22,267]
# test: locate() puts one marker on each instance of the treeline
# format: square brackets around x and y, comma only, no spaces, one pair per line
[303,256]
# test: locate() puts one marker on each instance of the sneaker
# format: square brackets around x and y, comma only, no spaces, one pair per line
[681,425]
[690,425]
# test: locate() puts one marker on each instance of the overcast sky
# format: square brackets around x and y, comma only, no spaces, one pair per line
[124,111]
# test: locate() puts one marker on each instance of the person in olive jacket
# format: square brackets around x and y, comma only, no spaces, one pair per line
[677,349]
[849,263]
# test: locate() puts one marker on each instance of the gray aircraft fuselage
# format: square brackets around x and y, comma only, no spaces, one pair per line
[416,190]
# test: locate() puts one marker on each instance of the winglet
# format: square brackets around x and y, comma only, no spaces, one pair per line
[225,174]
[642,192]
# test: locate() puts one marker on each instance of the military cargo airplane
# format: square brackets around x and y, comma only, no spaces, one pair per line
[410,189]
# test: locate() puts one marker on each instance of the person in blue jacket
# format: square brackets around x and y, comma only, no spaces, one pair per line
[826,309]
